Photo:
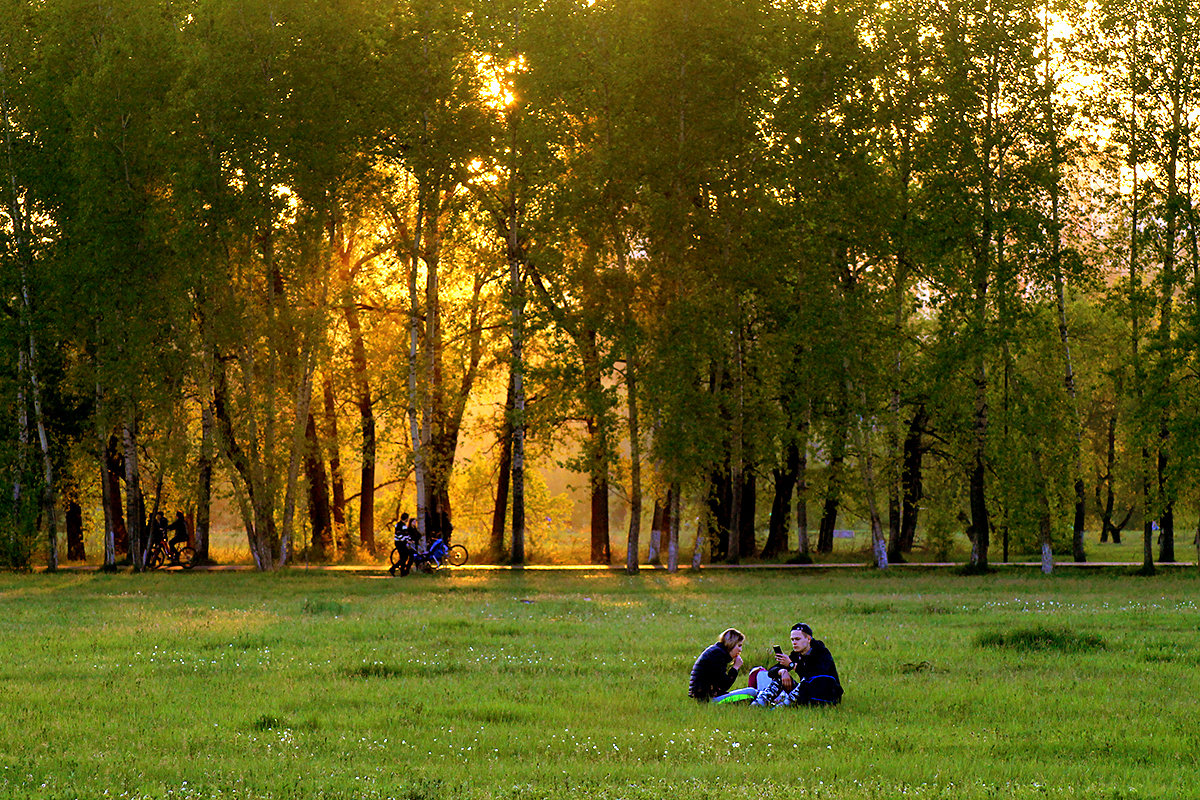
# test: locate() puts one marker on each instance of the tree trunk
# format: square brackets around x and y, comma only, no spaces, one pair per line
[22,240]
[832,493]
[1166,520]
[366,411]
[417,399]
[635,466]
[114,468]
[516,261]
[673,530]
[133,491]
[601,554]
[253,498]
[598,446]
[204,492]
[657,523]
[749,511]
[911,478]
[866,461]
[337,482]
[1064,337]
[803,555]
[720,505]
[781,505]
[1043,514]
[110,549]
[74,521]
[735,512]
[503,476]
[50,502]
[319,518]
[297,449]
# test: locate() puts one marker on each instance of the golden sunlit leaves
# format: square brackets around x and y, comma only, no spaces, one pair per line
[496,81]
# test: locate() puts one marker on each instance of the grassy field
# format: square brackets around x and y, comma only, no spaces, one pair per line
[536,685]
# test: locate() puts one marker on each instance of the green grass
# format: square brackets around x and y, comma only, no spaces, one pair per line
[535,685]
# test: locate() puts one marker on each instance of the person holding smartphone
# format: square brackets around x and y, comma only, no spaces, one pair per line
[806,676]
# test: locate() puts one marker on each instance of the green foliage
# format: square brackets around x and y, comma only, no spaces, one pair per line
[776,216]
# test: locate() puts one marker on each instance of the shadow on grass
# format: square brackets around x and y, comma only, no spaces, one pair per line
[377,669]
[1042,639]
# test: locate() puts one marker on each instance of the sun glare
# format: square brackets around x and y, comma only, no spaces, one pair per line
[497,90]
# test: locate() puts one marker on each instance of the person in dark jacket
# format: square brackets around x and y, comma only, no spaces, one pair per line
[717,667]
[807,676]
[406,546]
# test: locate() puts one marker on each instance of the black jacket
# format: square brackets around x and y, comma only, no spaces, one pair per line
[818,661]
[712,674]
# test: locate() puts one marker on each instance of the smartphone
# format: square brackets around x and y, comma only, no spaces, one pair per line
[778,650]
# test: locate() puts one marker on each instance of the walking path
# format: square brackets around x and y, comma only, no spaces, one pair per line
[372,569]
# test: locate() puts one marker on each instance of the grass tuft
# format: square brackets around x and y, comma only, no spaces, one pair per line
[375,669]
[318,607]
[1042,639]
[266,722]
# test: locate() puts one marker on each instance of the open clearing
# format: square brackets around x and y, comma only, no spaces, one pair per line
[472,684]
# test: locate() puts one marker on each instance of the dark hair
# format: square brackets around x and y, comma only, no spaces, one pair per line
[800,626]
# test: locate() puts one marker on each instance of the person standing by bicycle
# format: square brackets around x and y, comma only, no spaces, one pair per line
[406,545]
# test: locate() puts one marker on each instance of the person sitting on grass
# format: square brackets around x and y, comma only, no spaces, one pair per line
[717,668]
[806,677]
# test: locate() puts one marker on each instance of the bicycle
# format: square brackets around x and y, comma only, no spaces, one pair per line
[439,553]
[166,552]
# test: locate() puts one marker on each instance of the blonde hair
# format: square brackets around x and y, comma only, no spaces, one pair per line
[730,638]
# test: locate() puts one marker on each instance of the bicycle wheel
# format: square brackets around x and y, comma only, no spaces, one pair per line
[155,559]
[395,557]
[186,556]
[457,555]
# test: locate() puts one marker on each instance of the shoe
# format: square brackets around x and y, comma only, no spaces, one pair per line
[767,695]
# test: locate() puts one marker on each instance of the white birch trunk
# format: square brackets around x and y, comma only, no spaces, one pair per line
[303,402]
[414,397]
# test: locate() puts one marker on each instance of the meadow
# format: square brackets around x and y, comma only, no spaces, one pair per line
[555,685]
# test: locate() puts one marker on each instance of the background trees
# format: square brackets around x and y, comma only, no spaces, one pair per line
[893,262]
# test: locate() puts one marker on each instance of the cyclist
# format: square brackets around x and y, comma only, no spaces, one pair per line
[179,529]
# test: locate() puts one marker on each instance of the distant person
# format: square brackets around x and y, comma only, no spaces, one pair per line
[717,668]
[179,529]
[806,677]
[155,532]
[414,533]
[406,546]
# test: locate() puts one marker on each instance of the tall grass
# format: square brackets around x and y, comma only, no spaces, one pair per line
[549,686]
